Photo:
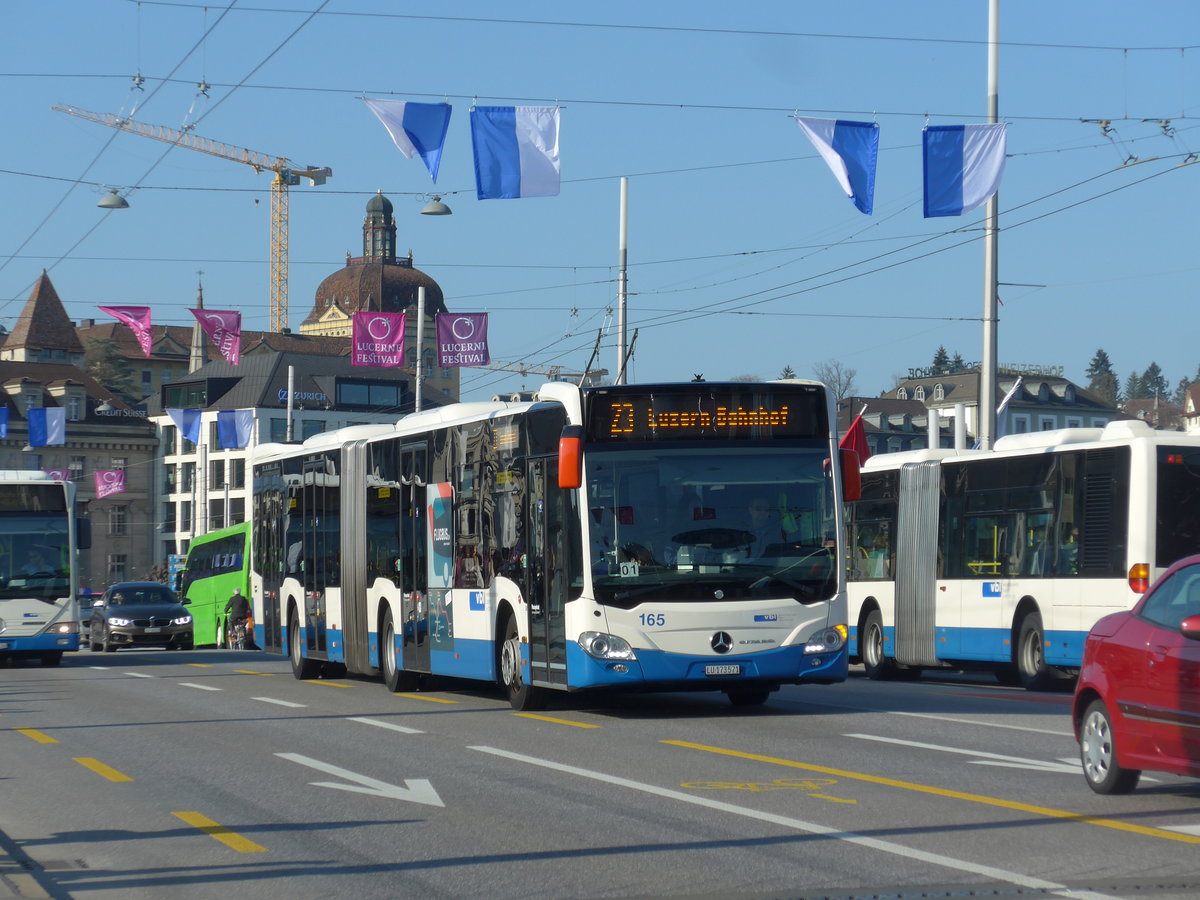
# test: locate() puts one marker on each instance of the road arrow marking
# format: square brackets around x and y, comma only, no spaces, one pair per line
[982,758]
[415,790]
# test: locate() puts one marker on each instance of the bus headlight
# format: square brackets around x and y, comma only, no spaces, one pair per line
[827,640]
[599,645]
[66,628]
[118,621]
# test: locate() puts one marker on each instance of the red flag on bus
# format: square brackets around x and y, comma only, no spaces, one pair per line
[855,439]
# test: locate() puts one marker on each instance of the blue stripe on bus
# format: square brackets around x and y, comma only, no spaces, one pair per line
[44,641]
[1063,648]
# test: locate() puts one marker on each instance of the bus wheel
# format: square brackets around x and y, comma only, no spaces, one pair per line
[748,696]
[1031,656]
[53,658]
[302,668]
[521,694]
[870,649]
[394,677]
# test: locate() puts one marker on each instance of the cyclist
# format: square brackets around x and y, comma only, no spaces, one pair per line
[237,611]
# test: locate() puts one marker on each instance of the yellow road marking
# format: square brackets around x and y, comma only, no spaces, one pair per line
[101,769]
[336,684]
[833,799]
[945,792]
[249,672]
[220,832]
[556,721]
[427,698]
[34,735]
[200,665]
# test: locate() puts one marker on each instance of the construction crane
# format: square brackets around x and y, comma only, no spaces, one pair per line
[286,175]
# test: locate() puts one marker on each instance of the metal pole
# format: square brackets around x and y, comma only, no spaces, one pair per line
[991,243]
[622,279]
[420,345]
[291,394]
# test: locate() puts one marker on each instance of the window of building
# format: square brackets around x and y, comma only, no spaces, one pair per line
[187,396]
[74,408]
[1043,393]
[33,461]
[1074,422]
[1099,423]
[168,516]
[237,510]
[939,391]
[147,381]
[165,376]
[310,427]
[118,519]
[118,565]
[1047,423]
[216,514]
[187,476]
[119,462]
[1020,424]
[919,393]
[278,431]
[902,393]
[185,516]
[237,473]
[78,467]
[168,440]
[216,474]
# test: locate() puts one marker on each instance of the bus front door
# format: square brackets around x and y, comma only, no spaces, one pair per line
[414,537]
[545,575]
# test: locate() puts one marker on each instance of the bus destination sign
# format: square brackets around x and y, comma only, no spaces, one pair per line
[726,412]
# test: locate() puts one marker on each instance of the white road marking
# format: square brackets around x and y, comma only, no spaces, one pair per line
[137,675]
[1060,732]
[1183,829]
[288,703]
[199,687]
[986,872]
[415,790]
[388,725]
[982,758]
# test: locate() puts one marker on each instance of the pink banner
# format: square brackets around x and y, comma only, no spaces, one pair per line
[138,320]
[109,482]
[59,474]
[224,329]
[377,339]
[462,340]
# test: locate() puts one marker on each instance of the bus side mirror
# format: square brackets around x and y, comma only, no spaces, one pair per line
[570,457]
[851,476]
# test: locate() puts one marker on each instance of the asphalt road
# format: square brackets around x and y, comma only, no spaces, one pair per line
[215,774]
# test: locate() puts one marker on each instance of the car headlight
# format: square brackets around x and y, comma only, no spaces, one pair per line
[117,620]
[827,640]
[182,620]
[599,645]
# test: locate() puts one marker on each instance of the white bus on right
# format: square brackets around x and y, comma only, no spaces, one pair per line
[1004,559]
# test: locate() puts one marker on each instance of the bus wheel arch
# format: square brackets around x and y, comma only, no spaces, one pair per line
[302,668]
[395,677]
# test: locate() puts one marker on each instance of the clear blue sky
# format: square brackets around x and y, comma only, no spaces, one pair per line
[744,255]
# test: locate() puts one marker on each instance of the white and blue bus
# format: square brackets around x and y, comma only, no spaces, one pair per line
[39,573]
[592,538]
[1004,559]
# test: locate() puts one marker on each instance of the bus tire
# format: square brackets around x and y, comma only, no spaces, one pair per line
[521,695]
[395,678]
[748,696]
[876,664]
[1031,654]
[303,669]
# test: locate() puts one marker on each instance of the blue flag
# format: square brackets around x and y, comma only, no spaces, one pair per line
[851,150]
[516,151]
[234,427]
[188,423]
[3,421]
[47,426]
[963,166]
[417,129]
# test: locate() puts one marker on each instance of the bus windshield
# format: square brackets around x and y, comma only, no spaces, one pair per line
[34,556]
[711,523]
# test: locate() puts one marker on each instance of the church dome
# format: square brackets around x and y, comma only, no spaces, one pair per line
[387,285]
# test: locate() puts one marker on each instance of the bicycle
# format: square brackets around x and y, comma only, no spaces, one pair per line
[236,635]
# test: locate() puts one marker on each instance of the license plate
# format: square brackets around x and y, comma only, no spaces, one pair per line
[152,629]
[723,670]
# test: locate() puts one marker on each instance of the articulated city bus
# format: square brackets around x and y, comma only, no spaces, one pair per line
[594,538]
[1006,558]
[217,563]
[39,573]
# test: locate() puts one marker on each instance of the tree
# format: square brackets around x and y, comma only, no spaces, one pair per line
[941,360]
[787,372]
[1102,380]
[1154,383]
[106,364]
[1181,390]
[957,364]
[837,377]
[1133,387]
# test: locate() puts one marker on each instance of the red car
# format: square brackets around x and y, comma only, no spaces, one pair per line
[1137,701]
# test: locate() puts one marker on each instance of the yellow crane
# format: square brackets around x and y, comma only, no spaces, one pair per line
[286,175]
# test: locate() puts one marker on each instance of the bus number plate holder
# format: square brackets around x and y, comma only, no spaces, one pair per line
[723,670]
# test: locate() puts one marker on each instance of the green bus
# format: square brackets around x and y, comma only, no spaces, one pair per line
[216,564]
